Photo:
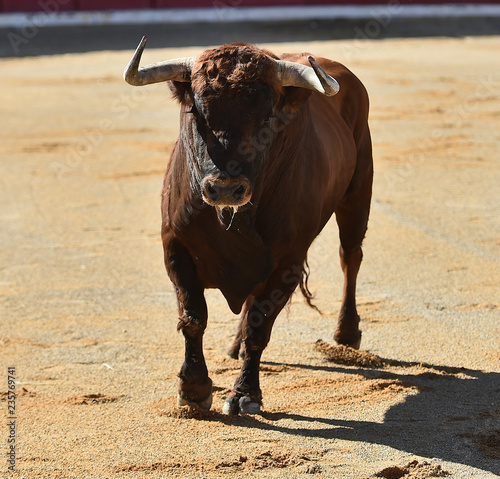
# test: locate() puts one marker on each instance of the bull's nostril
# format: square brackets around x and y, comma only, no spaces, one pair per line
[212,192]
[239,192]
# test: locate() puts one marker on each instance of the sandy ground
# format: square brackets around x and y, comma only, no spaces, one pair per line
[89,317]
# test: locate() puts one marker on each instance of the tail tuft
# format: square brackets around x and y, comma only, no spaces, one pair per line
[304,288]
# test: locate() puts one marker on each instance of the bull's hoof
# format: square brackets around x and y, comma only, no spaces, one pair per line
[243,405]
[351,340]
[195,394]
[236,352]
[249,406]
[206,404]
[233,353]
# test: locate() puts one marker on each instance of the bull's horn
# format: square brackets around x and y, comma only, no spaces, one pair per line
[315,78]
[178,69]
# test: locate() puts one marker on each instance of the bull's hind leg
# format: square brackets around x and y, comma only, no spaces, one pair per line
[195,387]
[234,349]
[348,332]
[352,219]
[237,349]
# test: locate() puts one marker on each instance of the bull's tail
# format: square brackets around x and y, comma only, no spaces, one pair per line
[304,287]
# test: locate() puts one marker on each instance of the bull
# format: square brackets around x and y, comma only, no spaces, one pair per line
[269,148]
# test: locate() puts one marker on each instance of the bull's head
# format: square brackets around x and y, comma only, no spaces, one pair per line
[231,100]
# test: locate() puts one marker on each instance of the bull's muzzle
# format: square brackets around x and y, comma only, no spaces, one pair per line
[226,192]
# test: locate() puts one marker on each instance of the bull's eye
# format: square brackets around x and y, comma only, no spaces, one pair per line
[192,110]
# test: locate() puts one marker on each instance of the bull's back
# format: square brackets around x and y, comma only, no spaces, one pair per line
[336,131]
[351,102]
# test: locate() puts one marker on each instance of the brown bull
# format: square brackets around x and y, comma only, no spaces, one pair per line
[269,148]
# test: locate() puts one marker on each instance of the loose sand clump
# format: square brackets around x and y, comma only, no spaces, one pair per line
[191,411]
[263,461]
[89,399]
[23,392]
[413,470]
[348,356]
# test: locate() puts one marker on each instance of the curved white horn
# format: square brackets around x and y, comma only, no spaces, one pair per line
[178,69]
[302,76]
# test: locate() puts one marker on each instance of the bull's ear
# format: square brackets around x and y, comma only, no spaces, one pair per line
[181,91]
[293,98]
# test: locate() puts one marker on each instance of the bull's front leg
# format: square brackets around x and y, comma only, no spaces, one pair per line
[256,326]
[195,387]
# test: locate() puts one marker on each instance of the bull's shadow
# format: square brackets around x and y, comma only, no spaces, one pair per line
[446,419]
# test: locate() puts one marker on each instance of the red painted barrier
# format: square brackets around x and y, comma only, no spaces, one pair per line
[65,5]
[113,4]
[37,5]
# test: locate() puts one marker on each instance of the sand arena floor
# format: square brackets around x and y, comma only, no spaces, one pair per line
[89,316]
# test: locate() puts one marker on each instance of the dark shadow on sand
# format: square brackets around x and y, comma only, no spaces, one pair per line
[446,419]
